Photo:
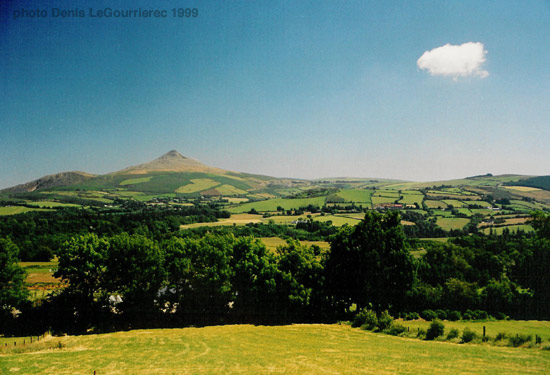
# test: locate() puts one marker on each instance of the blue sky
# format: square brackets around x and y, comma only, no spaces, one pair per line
[292,88]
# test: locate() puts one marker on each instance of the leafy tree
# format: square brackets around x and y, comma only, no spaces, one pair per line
[254,284]
[301,280]
[135,272]
[370,263]
[12,279]
[82,266]
[199,277]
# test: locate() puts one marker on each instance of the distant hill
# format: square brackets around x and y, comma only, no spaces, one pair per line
[171,173]
[540,182]
[51,181]
[175,175]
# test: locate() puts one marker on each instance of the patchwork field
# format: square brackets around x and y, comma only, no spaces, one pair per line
[14,210]
[244,349]
[449,223]
[273,242]
[272,204]
[356,195]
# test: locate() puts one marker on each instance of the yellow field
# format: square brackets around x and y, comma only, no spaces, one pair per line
[197,185]
[235,219]
[521,188]
[273,242]
[245,349]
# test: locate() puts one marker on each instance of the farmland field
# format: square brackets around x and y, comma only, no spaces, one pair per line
[356,195]
[449,223]
[272,204]
[273,242]
[412,198]
[295,349]
[133,181]
[229,190]
[510,327]
[338,220]
[511,228]
[14,210]
[197,185]
[435,204]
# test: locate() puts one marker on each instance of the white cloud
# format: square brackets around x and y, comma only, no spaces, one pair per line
[455,61]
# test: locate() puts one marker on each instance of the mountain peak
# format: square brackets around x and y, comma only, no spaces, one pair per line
[173,154]
[172,161]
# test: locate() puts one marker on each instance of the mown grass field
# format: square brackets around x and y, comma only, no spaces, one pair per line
[245,349]
[449,223]
[14,210]
[272,204]
[511,228]
[510,327]
[272,243]
[356,195]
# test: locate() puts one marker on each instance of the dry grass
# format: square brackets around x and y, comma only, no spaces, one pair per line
[296,349]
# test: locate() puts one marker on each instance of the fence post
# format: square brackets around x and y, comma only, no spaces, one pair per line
[483,331]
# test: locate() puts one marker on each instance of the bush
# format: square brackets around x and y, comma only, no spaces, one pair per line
[411,316]
[453,334]
[454,315]
[519,340]
[467,315]
[502,316]
[421,333]
[468,335]
[500,336]
[428,315]
[436,329]
[441,314]
[365,319]
[480,315]
[385,320]
[395,329]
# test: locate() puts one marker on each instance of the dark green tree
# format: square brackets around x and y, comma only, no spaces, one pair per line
[82,267]
[300,282]
[12,280]
[199,278]
[135,272]
[370,263]
[253,282]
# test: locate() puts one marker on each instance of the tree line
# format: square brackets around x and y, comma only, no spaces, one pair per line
[134,280]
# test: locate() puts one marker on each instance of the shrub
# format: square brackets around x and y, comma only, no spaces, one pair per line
[411,316]
[436,329]
[480,315]
[441,314]
[502,316]
[519,340]
[414,315]
[421,333]
[395,329]
[454,315]
[385,320]
[453,334]
[428,315]
[468,335]
[365,319]
[500,336]
[468,315]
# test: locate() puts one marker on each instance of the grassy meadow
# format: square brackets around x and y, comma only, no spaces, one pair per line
[245,349]
[493,328]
